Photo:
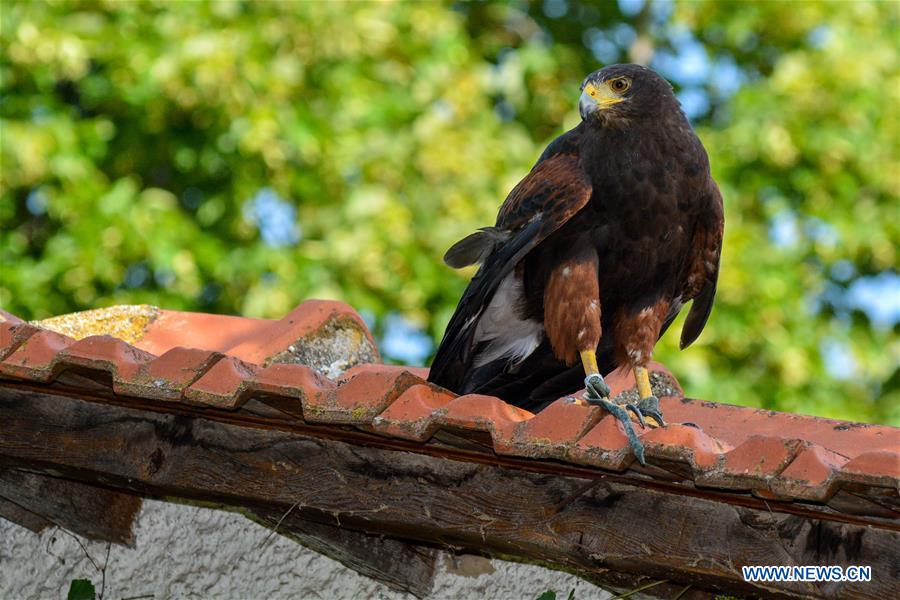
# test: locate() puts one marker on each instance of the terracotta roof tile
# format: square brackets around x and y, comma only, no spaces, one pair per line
[327,335]
[106,353]
[219,363]
[223,385]
[686,444]
[363,392]
[752,464]
[36,357]
[12,335]
[324,334]
[474,412]
[553,432]
[6,317]
[299,329]
[294,389]
[622,380]
[874,468]
[166,377]
[605,446]
[296,380]
[412,415]
[219,333]
[736,424]
[811,475]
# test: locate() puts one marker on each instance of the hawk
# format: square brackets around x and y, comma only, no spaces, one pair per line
[616,227]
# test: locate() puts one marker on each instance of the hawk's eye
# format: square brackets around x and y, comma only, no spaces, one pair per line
[620,85]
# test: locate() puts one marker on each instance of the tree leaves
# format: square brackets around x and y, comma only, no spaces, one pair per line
[81,589]
[135,139]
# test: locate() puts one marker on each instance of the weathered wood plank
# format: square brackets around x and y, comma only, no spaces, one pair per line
[90,511]
[400,565]
[22,517]
[607,531]
[100,514]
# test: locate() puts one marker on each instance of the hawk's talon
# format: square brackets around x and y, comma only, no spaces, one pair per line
[656,416]
[596,386]
[649,407]
[649,404]
[597,393]
[622,417]
[637,413]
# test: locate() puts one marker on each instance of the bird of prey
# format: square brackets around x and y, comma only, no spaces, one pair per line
[616,227]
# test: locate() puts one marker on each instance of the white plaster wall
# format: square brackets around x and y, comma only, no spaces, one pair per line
[184,551]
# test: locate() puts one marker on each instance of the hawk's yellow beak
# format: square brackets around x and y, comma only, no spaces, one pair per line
[602,95]
[596,97]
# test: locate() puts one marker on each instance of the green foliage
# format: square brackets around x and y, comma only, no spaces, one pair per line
[134,133]
[551,595]
[81,589]
[814,140]
[146,126]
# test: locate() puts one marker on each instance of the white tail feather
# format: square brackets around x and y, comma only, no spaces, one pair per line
[507,334]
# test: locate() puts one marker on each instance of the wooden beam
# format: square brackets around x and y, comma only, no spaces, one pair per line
[605,529]
[37,501]
[400,565]
[22,516]
[90,511]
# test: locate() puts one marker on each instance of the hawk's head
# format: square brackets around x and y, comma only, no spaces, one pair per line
[624,92]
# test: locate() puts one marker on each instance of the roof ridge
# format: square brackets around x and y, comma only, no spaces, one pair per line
[796,458]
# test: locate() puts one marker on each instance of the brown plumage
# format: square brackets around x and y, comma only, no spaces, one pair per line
[572,305]
[617,226]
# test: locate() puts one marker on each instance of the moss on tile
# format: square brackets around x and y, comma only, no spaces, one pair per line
[360,412]
[661,384]
[127,322]
[331,350]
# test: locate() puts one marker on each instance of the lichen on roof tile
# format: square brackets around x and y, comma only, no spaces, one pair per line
[331,349]
[125,322]
[326,335]
[662,384]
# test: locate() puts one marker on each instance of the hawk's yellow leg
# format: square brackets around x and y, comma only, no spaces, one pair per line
[642,376]
[649,404]
[597,392]
[589,361]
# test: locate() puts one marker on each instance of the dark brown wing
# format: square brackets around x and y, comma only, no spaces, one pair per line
[703,273]
[555,189]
